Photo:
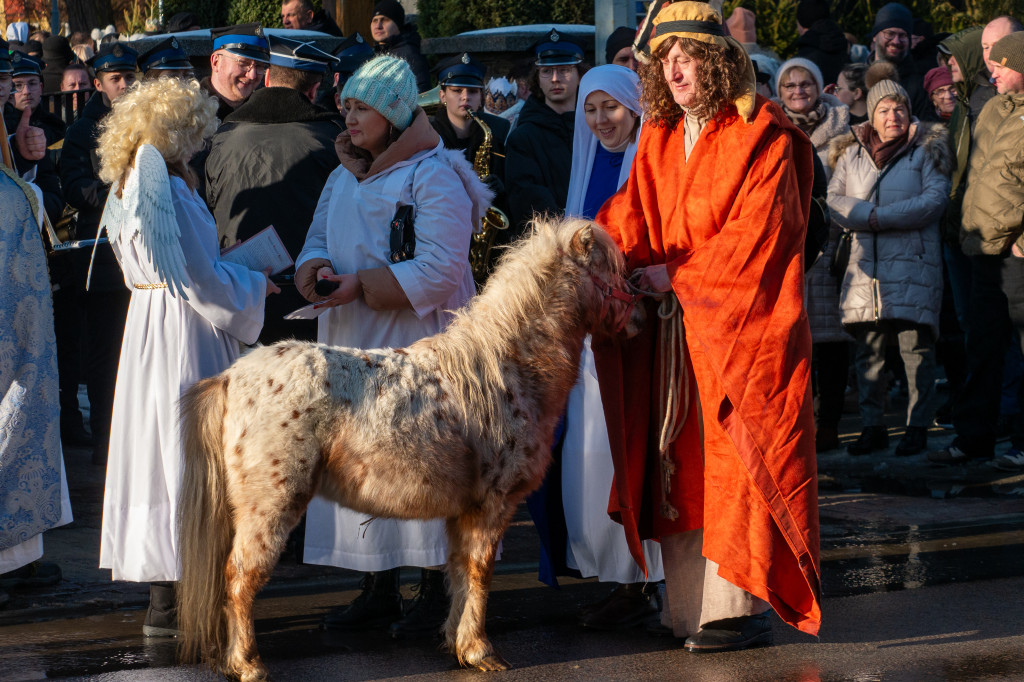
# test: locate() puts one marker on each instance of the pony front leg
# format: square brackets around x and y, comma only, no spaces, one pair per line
[473,540]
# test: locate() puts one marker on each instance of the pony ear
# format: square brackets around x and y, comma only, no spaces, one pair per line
[583,241]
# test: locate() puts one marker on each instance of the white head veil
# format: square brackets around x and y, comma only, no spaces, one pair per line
[622,84]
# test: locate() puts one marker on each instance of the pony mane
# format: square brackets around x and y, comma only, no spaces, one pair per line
[517,295]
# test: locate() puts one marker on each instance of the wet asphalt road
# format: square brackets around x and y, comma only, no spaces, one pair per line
[954,632]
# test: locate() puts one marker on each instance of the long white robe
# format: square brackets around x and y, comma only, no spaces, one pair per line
[351,228]
[596,544]
[168,345]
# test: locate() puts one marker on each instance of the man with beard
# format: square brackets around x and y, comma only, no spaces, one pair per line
[105,305]
[890,41]
[539,150]
[268,163]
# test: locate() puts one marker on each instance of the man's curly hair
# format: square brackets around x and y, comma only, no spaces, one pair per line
[720,73]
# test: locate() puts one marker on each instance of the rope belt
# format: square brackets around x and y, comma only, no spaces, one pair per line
[156,285]
[675,392]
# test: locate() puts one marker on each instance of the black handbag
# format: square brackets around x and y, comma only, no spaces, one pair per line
[403,235]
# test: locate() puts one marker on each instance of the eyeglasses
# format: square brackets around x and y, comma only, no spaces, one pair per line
[30,84]
[891,35]
[945,91]
[247,65]
[803,85]
[547,72]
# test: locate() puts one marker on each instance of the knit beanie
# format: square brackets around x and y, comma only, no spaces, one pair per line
[883,89]
[387,86]
[810,12]
[800,63]
[620,38]
[939,77]
[1009,51]
[392,9]
[893,15]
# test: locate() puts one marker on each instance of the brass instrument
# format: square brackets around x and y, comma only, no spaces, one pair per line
[494,220]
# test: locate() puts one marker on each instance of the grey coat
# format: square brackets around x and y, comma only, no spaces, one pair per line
[895,272]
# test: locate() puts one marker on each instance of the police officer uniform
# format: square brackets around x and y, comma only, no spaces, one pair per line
[539,149]
[52,126]
[100,313]
[166,58]
[352,53]
[244,40]
[268,164]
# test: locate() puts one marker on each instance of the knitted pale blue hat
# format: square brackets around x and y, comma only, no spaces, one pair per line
[386,85]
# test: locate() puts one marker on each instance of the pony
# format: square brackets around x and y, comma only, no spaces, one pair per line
[456,426]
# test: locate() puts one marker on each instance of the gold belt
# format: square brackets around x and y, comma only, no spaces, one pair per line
[158,285]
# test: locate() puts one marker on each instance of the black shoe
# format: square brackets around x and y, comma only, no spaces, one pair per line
[627,606]
[732,634]
[162,614]
[914,441]
[35,574]
[870,439]
[377,606]
[428,610]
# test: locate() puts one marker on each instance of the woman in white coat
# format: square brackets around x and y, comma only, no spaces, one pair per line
[607,129]
[189,314]
[391,157]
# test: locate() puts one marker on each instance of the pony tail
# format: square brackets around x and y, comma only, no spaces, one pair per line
[205,527]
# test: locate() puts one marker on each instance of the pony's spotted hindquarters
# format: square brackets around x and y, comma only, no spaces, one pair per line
[457,426]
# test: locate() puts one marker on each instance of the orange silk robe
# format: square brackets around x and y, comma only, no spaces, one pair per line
[730,225]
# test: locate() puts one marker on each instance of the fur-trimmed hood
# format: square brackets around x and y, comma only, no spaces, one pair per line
[933,138]
[479,193]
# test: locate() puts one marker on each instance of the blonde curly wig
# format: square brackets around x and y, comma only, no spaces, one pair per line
[174,115]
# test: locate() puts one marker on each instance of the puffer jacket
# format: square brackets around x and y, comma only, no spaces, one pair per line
[895,272]
[994,201]
[821,296]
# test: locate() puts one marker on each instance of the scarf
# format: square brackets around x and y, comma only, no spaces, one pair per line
[883,152]
[420,136]
[808,121]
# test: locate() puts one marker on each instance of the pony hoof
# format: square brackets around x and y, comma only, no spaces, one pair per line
[492,662]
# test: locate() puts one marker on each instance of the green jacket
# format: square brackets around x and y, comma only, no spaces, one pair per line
[993,205]
[965,46]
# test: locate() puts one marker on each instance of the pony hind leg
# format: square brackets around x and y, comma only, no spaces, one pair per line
[260,537]
[473,540]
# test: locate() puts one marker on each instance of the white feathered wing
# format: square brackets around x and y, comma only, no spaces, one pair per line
[146,209]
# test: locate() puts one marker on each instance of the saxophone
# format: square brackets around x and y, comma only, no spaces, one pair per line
[494,220]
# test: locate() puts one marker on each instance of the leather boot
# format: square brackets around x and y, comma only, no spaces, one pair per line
[162,614]
[914,441]
[627,606]
[870,439]
[732,634]
[428,610]
[379,604]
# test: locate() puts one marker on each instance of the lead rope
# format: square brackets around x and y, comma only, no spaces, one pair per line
[674,385]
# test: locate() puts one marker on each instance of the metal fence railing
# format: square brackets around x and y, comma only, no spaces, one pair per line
[67,105]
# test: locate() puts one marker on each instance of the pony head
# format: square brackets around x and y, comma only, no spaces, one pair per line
[608,304]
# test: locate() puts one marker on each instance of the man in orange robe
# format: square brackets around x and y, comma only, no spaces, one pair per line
[716,211]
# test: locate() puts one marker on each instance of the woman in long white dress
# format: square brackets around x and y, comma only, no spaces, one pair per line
[607,129]
[190,313]
[390,157]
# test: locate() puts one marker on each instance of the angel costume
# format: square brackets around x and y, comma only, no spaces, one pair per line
[350,228]
[596,544]
[188,314]
[33,487]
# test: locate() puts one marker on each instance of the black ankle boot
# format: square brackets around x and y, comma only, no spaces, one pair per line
[162,614]
[428,610]
[627,606]
[871,438]
[379,604]
[914,441]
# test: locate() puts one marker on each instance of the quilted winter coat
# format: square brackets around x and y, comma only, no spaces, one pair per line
[895,273]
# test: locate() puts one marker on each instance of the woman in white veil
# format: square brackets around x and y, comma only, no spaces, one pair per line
[608,121]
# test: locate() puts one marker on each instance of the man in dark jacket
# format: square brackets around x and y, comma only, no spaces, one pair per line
[539,150]
[27,78]
[393,37]
[890,40]
[105,305]
[821,40]
[299,14]
[269,162]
